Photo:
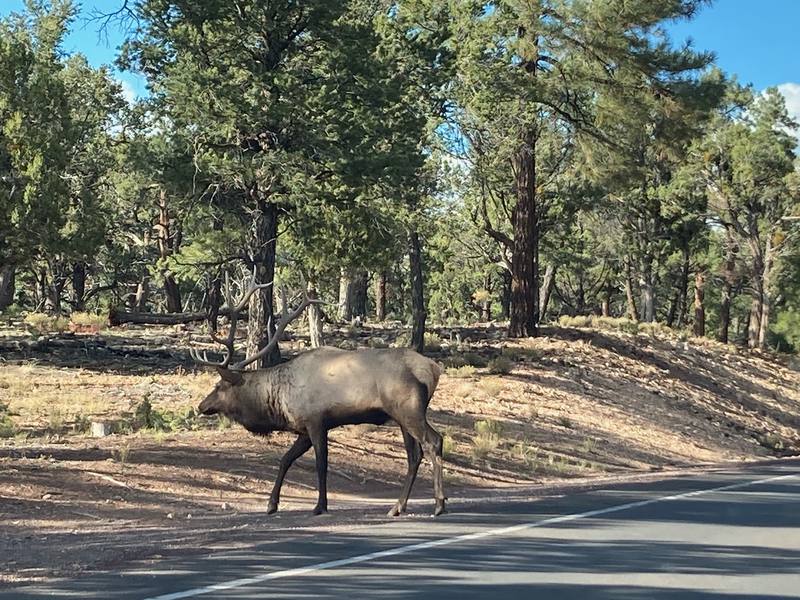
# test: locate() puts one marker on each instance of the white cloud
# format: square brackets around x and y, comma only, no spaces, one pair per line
[127,91]
[791,92]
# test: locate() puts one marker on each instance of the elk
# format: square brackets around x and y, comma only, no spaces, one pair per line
[326,388]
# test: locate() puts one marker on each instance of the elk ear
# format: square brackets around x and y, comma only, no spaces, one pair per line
[232,377]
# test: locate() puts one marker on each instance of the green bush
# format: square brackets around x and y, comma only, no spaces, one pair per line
[89,320]
[484,444]
[43,323]
[489,427]
[500,365]
[7,427]
[461,372]
[474,359]
[433,343]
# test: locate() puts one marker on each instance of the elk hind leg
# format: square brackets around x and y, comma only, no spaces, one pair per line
[415,422]
[414,453]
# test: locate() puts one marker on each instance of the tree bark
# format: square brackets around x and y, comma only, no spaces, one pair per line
[358,294]
[315,332]
[345,311]
[756,307]
[505,295]
[605,306]
[699,328]
[630,298]
[380,297]
[547,290]
[418,313]
[8,275]
[648,290]
[214,302]
[524,307]
[683,286]
[728,278]
[261,248]
[766,294]
[79,286]
[166,248]
[142,294]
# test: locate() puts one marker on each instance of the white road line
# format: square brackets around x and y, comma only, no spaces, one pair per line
[362,558]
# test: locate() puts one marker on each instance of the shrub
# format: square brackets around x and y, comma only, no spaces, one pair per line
[484,444]
[42,323]
[491,386]
[377,342]
[433,343]
[487,438]
[500,366]
[474,359]
[461,372]
[7,428]
[81,424]
[456,361]
[88,321]
[448,445]
[565,422]
[577,321]
[489,427]
[55,420]
[527,453]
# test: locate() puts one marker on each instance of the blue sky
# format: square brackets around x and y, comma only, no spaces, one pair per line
[756,39]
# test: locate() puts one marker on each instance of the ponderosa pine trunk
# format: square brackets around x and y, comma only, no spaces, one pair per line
[314,312]
[166,248]
[345,309]
[548,283]
[380,296]
[261,248]
[699,327]
[358,294]
[8,275]
[757,305]
[648,289]
[630,299]
[79,286]
[605,306]
[766,294]
[142,294]
[418,314]
[505,295]
[524,308]
[728,278]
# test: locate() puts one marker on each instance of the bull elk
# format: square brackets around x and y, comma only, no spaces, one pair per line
[326,388]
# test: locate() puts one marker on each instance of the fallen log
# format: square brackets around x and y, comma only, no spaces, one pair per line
[118,317]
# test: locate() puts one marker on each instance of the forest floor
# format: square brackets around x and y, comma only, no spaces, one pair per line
[576,405]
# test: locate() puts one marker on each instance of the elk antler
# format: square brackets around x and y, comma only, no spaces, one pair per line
[235,308]
[286,317]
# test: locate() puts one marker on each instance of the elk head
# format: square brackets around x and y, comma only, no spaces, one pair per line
[225,396]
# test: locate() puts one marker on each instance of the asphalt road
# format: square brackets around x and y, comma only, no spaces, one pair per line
[727,535]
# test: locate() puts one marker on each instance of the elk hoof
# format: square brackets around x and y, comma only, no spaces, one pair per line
[272,508]
[318,510]
[395,511]
[439,508]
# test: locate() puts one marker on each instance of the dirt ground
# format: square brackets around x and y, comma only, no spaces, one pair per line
[577,404]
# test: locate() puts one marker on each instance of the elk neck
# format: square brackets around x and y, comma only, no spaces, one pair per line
[260,408]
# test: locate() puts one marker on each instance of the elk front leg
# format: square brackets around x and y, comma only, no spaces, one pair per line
[300,447]
[414,454]
[319,439]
